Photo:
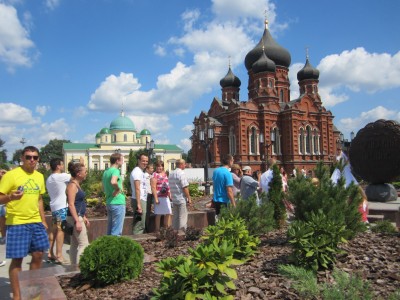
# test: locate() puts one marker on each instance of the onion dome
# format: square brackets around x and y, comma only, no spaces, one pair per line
[308,72]
[105,131]
[230,80]
[279,55]
[122,123]
[145,132]
[98,135]
[264,64]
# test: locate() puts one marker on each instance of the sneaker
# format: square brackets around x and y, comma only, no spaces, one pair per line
[3,263]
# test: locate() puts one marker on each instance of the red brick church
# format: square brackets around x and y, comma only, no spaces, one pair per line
[297,133]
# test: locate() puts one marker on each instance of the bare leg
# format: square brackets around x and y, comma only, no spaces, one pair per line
[36,261]
[3,227]
[157,220]
[59,244]
[52,234]
[15,268]
[167,221]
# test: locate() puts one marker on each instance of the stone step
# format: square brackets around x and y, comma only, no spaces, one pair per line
[374,218]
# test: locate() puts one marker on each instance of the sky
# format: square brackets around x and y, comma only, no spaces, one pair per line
[68,67]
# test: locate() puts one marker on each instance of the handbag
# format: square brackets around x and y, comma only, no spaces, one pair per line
[67,227]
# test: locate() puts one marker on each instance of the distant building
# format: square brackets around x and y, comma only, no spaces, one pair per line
[121,136]
[302,129]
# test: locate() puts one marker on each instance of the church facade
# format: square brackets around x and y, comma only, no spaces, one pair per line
[121,136]
[297,133]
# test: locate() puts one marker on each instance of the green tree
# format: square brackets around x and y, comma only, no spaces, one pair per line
[52,150]
[17,155]
[3,155]
[189,156]
[276,196]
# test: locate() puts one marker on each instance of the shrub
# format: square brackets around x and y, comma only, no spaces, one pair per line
[384,226]
[170,237]
[194,190]
[304,281]
[193,234]
[259,219]
[205,274]
[316,242]
[233,230]
[111,259]
[276,195]
[338,203]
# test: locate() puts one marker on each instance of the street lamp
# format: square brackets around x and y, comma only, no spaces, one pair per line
[150,147]
[23,141]
[262,141]
[206,141]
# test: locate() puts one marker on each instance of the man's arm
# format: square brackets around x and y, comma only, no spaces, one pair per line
[4,199]
[114,183]
[229,191]
[187,194]
[41,211]
[137,193]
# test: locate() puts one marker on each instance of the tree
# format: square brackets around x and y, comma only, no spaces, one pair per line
[17,155]
[52,150]
[189,156]
[3,155]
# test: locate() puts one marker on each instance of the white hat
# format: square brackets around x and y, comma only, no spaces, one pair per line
[245,168]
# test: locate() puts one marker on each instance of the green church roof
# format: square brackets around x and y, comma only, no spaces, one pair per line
[122,123]
[145,132]
[104,131]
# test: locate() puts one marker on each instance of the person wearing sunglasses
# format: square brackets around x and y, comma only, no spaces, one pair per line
[22,189]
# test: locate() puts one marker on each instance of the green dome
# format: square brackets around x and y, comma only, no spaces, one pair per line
[122,123]
[104,131]
[98,135]
[145,132]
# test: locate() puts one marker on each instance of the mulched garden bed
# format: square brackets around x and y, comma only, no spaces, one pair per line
[374,256]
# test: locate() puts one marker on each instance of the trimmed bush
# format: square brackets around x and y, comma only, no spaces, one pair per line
[111,259]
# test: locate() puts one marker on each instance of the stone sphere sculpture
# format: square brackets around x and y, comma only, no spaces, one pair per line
[375,157]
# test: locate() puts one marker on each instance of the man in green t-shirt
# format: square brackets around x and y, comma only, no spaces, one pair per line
[115,198]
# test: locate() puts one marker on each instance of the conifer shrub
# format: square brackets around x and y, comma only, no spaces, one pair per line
[338,203]
[384,226]
[111,259]
[259,219]
[276,195]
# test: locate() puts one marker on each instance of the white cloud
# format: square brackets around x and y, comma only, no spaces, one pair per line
[156,124]
[379,112]
[16,114]
[188,128]
[159,50]
[190,17]
[52,4]
[15,45]
[42,110]
[359,70]
[80,112]
[185,144]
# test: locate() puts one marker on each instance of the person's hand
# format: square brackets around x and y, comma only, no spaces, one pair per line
[45,225]
[78,226]
[86,220]
[116,192]
[139,210]
[17,195]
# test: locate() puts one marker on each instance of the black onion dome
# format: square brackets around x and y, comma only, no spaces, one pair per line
[279,55]
[230,80]
[308,72]
[264,64]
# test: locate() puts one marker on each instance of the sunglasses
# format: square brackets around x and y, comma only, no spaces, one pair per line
[29,157]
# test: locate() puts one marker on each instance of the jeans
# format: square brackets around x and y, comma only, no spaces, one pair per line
[179,216]
[139,226]
[116,217]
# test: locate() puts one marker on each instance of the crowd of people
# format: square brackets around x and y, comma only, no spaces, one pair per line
[166,194]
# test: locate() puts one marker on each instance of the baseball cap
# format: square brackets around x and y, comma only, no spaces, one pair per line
[245,168]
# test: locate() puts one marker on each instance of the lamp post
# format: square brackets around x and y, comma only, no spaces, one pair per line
[263,141]
[23,141]
[206,141]
[150,148]
[345,143]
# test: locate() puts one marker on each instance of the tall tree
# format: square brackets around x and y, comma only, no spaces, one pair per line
[17,155]
[52,150]
[3,154]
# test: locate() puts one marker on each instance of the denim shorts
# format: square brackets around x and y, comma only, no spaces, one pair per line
[58,216]
[2,210]
[26,238]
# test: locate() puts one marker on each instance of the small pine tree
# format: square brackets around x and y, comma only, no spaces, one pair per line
[276,195]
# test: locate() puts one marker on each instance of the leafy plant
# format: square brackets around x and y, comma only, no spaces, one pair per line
[111,259]
[194,190]
[276,195]
[316,242]
[384,226]
[232,229]
[259,219]
[170,236]
[304,281]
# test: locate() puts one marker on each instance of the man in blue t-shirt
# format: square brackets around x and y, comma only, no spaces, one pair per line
[222,184]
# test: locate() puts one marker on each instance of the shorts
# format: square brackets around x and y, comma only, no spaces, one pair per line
[2,210]
[26,238]
[58,216]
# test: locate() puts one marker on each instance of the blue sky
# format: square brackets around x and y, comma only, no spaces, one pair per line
[67,67]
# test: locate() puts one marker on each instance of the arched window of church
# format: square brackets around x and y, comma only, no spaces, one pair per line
[134,138]
[276,146]
[308,140]
[281,96]
[301,141]
[253,137]
[125,138]
[270,83]
[106,137]
[232,141]
[315,89]
[115,137]
[316,141]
